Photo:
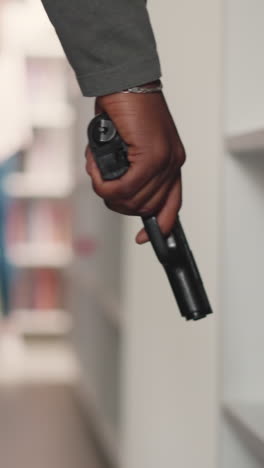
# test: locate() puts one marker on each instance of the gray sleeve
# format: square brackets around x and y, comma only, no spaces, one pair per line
[109,43]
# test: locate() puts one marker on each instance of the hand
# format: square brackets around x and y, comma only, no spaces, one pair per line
[152,185]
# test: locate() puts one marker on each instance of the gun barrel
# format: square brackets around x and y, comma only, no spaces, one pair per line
[177,259]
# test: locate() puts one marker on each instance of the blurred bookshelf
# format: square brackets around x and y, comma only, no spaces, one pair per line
[39,322]
[39,219]
[28,185]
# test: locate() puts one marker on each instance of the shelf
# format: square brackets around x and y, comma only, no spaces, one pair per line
[248,420]
[54,322]
[52,115]
[22,362]
[34,255]
[246,142]
[30,185]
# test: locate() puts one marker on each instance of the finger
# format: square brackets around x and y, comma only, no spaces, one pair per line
[152,204]
[139,174]
[121,209]
[92,168]
[157,199]
[151,196]
[108,190]
[168,214]
[144,167]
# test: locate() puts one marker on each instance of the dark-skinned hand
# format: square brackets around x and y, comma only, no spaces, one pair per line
[152,185]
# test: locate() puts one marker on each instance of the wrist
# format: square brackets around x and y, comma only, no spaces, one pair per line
[156,85]
[150,87]
[132,96]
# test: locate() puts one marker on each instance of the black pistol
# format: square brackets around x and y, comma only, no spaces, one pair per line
[110,153]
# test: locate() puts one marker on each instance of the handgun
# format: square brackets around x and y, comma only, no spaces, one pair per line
[111,155]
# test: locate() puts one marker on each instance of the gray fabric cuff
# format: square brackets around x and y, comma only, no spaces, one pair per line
[119,78]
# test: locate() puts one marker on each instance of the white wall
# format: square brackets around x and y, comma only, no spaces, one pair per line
[170,371]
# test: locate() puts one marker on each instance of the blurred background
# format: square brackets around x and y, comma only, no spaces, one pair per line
[97,368]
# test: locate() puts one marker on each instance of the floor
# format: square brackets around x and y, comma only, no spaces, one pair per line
[41,426]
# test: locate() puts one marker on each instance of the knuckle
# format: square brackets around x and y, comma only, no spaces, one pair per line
[161,156]
[181,154]
[97,189]
[180,203]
